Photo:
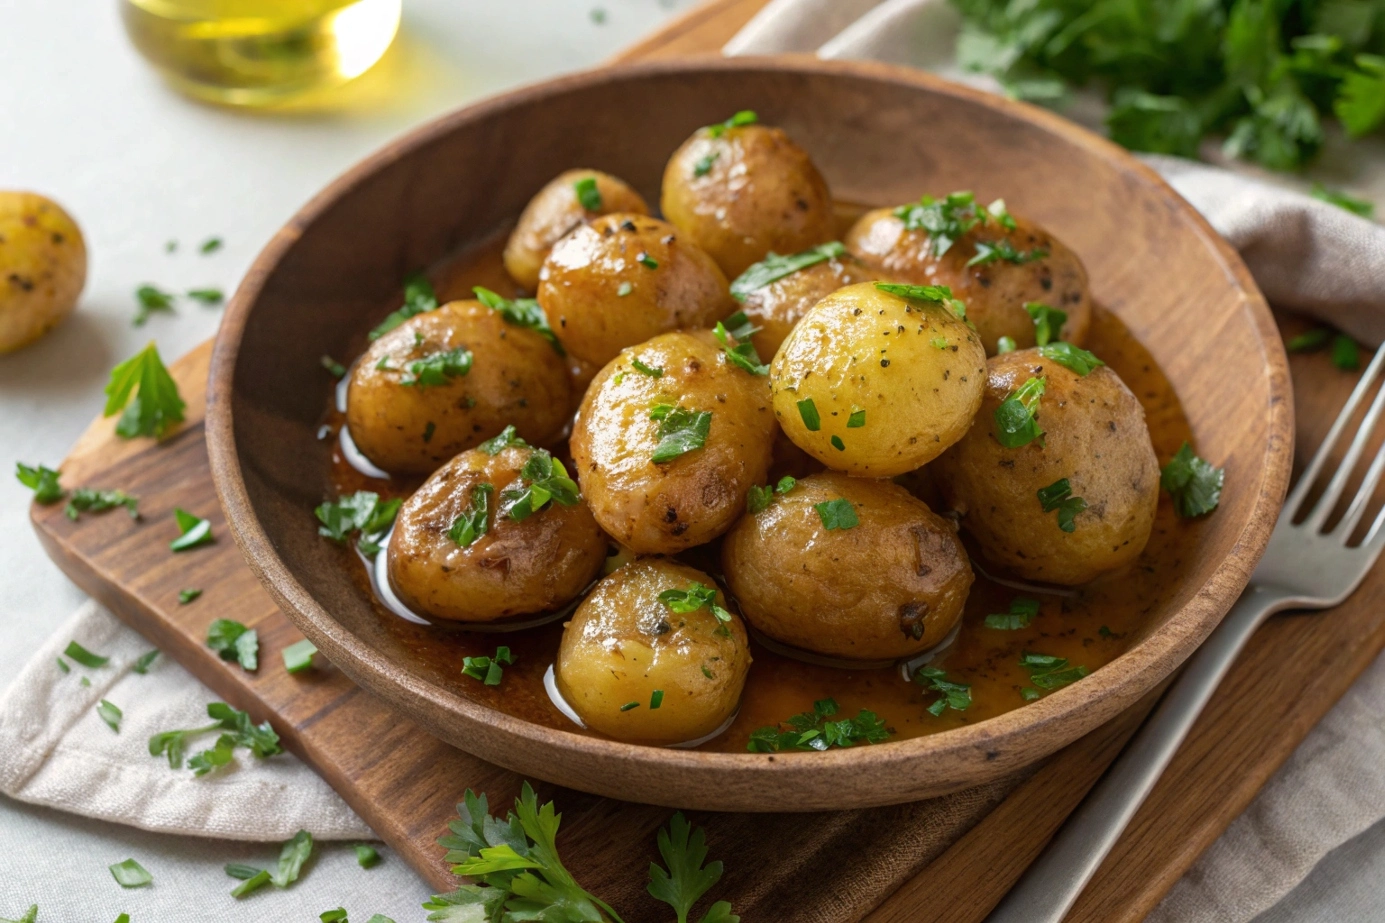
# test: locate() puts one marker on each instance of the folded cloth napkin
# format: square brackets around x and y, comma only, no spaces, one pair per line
[1306,255]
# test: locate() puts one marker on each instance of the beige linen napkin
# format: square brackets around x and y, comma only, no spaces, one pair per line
[1305,255]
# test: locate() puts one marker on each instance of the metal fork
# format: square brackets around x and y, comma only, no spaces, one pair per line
[1304,567]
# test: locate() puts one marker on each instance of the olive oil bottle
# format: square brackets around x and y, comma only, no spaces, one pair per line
[260,52]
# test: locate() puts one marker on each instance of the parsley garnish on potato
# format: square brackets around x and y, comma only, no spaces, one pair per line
[929,294]
[814,730]
[742,118]
[758,498]
[1073,358]
[734,335]
[680,431]
[419,298]
[438,368]
[587,194]
[1058,496]
[1015,421]
[838,514]
[143,389]
[474,521]
[694,597]
[1192,482]
[1048,322]
[521,312]
[543,478]
[775,267]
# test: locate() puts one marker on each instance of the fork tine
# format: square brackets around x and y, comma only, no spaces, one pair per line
[1337,485]
[1310,473]
[1362,499]
[1375,538]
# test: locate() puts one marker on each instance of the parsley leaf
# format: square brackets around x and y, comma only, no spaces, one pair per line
[694,597]
[233,641]
[704,164]
[686,879]
[130,874]
[808,411]
[110,714]
[86,658]
[361,512]
[488,670]
[744,117]
[438,368]
[29,916]
[738,349]
[86,500]
[239,730]
[1004,345]
[990,252]
[758,498]
[333,367]
[298,656]
[1073,358]
[188,595]
[419,298]
[142,387]
[1346,355]
[145,660]
[474,521]
[42,481]
[507,438]
[680,431]
[1015,421]
[643,369]
[1342,200]
[814,730]
[1048,322]
[543,478]
[211,245]
[293,855]
[956,696]
[1194,484]
[151,300]
[1360,102]
[929,294]
[587,193]
[775,267]
[208,296]
[838,514]
[193,530]
[1313,339]
[1058,496]
[366,855]
[521,312]
[945,220]
[1022,612]
[1049,672]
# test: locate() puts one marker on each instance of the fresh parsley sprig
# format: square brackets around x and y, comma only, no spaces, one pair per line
[233,641]
[945,219]
[239,731]
[682,884]
[543,478]
[522,312]
[815,730]
[43,481]
[1194,484]
[142,388]
[775,267]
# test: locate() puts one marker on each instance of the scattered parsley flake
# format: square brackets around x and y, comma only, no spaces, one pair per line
[838,444]
[1005,345]
[814,730]
[207,296]
[419,298]
[251,884]
[1073,358]
[145,661]
[1003,250]
[928,294]
[643,369]
[507,438]
[656,698]
[629,705]
[704,164]
[1048,322]
[333,916]
[151,300]
[740,119]
[647,261]
[838,514]
[474,521]
[110,714]
[697,596]
[587,193]
[1342,200]
[143,389]
[759,498]
[361,512]
[298,656]
[43,481]
[1193,483]
[130,874]
[488,670]
[1346,355]
[857,418]
[293,855]
[736,345]
[775,267]
[1058,496]
[233,641]
[1022,612]
[521,312]
[438,368]
[808,411]
[366,855]
[86,658]
[1015,420]
[680,431]
[1049,672]
[211,245]
[194,531]
[624,289]
[956,696]
[543,478]
[86,500]
[941,342]
[62,665]
[1311,340]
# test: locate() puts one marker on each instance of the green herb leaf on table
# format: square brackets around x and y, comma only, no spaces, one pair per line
[686,879]
[1049,672]
[366,855]
[110,714]
[86,658]
[419,298]
[1073,358]
[251,884]
[151,300]
[188,595]
[1310,340]
[838,514]
[1192,482]
[1022,611]
[1015,418]
[145,661]
[233,641]
[361,512]
[543,478]
[29,916]
[194,531]
[739,120]
[333,916]
[242,732]
[62,665]
[293,855]
[86,500]
[211,245]
[43,481]
[737,348]
[956,696]
[680,431]
[1346,355]
[437,369]
[298,656]
[507,439]
[815,730]
[489,670]
[207,296]
[775,267]
[1058,496]
[521,312]
[130,874]
[1343,200]
[1048,322]
[143,389]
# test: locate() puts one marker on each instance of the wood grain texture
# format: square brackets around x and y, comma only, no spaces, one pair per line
[404,782]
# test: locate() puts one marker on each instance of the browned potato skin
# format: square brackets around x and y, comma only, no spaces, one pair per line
[43,266]
[665,508]
[623,643]
[536,565]
[996,292]
[516,378]
[890,587]
[762,194]
[580,281]
[1095,436]
[778,307]
[554,212]
[864,348]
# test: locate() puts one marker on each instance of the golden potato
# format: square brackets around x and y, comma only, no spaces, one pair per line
[745,191]
[415,399]
[1094,438]
[647,659]
[43,266]
[1009,267]
[888,579]
[459,553]
[624,278]
[556,210]
[777,308]
[631,427]
[877,384]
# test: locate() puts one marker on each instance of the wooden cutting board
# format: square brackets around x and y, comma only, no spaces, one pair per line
[946,859]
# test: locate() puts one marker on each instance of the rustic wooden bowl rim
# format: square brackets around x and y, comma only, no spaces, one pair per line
[1130,675]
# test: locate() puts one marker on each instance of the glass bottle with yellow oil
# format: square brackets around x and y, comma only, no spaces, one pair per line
[260,52]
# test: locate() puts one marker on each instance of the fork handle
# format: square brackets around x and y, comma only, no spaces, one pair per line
[1051,885]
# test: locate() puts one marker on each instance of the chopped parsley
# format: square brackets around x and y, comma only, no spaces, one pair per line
[298,656]
[1058,496]
[419,298]
[736,345]
[211,245]
[740,119]
[366,855]
[361,512]
[238,731]
[438,368]
[507,438]
[187,596]
[110,714]
[643,369]
[1342,200]
[42,481]
[428,431]
[808,411]
[775,267]
[1346,355]
[929,294]
[1073,358]
[956,696]
[945,220]
[704,164]
[697,596]
[521,312]
[680,431]
[543,478]
[143,389]
[1015,420]
[656,698]
[1022,612]
[333,916]
[1049,672]
[145,661]
[86,658]
[857,419]
[587,193]
[62,665]
[1048,322]
[758,498]
[130,874]
[207,296]
[474,521]
[1003,250]
[629,706]
[624,289]
[333,367]
[86,500]
[233,641]
[193,531]
[647,261]
[293,855]
[838,514]
[1192,482]
[814,730]
[1004,345]
[1311,340]
[838,444]
[151,300]
[489,670]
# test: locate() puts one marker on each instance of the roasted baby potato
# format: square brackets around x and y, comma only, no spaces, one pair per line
[573,197]
[877,384]
[668,441]
[624,278]
[849,567]
[653,656]
[997,266]
[445,380]
[777,308]
[43,266]
[1077,501]
[741,191]
[469,547]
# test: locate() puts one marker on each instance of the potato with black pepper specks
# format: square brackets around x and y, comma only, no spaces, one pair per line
[663,507]
[624,278]
[876,384]
[636,669]
[555,211]
[743,192]
[995,291]
[515,377]
[890,586]
[1095,436]
[534,565]
[778,307]
[43,266]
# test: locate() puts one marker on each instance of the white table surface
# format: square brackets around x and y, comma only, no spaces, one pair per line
[85,121]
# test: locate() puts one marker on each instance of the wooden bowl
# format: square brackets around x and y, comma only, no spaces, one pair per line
[879,134]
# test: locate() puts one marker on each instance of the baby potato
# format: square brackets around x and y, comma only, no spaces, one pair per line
[624,278]
[669,440]
[877,384]
[500,566]
[1094,438]
[887,579]
[43,266]
[647,659]
[415,399]
[746,191]
[1039,270]
[779,306]
[556,210]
